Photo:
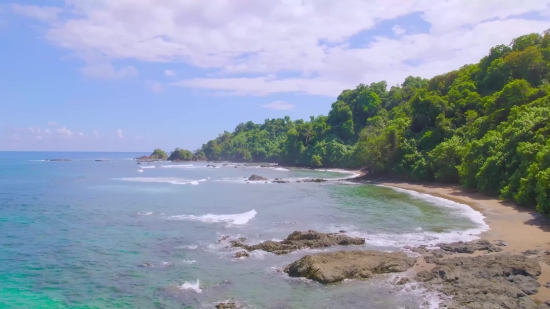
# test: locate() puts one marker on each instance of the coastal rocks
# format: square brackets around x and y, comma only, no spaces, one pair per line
[59,160]
[255,177]
[227,305]
[490,281]
[469,247]
[315,180]
[241,254]
[280,181]
[301,240]
[431,255]
[334,267]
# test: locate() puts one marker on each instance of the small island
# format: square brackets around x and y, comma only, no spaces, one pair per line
[178,155]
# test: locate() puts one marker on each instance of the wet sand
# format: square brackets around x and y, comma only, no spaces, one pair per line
[521,228]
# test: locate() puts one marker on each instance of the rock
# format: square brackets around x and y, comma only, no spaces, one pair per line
[242,254]
[301,240]
[226,305]
[531,252]
[280,181]
[242,239]
[223,238]
[315,180]
[500,243]
[255,177]
[488,281]
[402,281]
[334,267]
[342,231]
[59,160]
[547,285]
[469,247]
[528,285]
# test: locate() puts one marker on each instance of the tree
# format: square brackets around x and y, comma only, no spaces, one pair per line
[159,154]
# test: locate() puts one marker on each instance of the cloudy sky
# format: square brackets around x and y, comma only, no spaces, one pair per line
[133,75]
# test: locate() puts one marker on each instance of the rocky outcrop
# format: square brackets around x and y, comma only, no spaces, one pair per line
[301,240]
[241,254]
[59,160]
[334,267]
[226,305]
[315,180]
[431,255]
[489,281]
[469,247]
[255,177]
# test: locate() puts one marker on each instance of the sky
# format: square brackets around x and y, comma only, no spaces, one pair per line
[134,75]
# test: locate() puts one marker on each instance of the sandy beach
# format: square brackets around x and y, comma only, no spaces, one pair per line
[522,229]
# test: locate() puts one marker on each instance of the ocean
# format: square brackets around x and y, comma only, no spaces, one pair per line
[117,234]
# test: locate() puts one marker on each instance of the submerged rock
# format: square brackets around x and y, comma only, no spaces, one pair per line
[227,305]
[255,177]
[280,181]
[315,180]
[334,267]
[242,254]
[490,281]
[224,238]
[301,240]
[59,160]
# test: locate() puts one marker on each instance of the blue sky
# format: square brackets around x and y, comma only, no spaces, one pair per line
[136,75]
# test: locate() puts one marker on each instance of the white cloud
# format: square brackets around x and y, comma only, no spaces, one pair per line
[52,123]
[153,86]
[278,105]
[288,38]
[169,73]
[119,134]
[107,71]
[397,30]
[80,134]
[96,134]
[42,13]
[262,86]
[64,132]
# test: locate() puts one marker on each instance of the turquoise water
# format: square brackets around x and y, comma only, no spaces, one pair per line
[77,234]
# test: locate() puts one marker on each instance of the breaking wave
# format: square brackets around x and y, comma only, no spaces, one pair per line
[237,219]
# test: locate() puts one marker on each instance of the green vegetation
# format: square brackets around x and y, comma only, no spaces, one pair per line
[181,155]
[485,126]
[158,154]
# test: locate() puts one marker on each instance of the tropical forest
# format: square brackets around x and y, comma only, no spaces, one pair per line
[485,126]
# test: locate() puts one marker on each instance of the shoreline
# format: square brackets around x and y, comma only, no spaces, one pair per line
[520,228]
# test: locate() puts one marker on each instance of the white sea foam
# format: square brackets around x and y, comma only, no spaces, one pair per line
[237,219]
[140,171]
[421,237]
[189,261]
[38,160]
[178,166]
[152,166]
[462,209]
[191,286]
[145,213]
[280,169]
[190,247]
[171,180]
[202,180]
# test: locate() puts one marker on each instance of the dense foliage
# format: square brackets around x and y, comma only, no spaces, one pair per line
[158,154]
[486,126]
[181,155]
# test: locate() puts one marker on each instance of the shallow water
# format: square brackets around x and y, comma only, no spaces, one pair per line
[77,234]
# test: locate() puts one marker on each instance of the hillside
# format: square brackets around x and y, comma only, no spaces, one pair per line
[485,126]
